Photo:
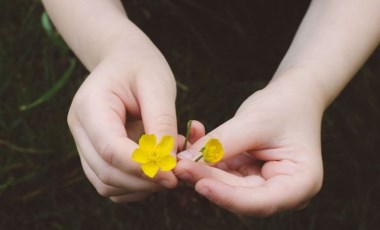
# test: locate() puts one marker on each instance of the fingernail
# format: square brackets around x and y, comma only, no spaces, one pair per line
[185,177]
[187,154]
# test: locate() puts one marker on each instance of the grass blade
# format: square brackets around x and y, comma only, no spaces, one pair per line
[53,90]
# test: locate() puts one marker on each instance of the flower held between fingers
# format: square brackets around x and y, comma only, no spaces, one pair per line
[213,151]
[153,156]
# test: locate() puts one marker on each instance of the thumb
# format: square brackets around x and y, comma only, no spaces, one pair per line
[157,105]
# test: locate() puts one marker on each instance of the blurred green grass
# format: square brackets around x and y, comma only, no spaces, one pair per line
[221,52]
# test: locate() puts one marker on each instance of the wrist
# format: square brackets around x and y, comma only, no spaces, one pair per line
[124,41]
[133,51]
[301,86]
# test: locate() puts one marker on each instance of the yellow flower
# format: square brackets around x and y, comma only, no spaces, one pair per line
[213,151]
[154,156]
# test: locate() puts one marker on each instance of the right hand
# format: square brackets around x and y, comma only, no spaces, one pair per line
[130,92]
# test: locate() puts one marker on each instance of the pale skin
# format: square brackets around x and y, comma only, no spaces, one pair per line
[272,145]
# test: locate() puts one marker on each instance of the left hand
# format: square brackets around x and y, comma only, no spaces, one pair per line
[272,156]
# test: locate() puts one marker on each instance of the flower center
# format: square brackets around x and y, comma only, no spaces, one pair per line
[154,157]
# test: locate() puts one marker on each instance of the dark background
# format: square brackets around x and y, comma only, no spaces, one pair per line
[220,51]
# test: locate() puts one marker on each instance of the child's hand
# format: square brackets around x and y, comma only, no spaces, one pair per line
[272,156]
[133,83]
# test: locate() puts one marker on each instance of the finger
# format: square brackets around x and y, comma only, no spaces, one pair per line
[102,119]
[277,194]
[233,136]
[130,197]
[103,189]
[106,175]
[190,171]
[243,163]
[108,137]
[157,105]
[197,130]
[105,172]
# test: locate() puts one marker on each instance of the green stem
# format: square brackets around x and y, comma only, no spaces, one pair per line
[200,157]
[187,134]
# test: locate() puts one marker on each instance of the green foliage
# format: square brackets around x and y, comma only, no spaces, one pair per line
[53,90]
[210,45]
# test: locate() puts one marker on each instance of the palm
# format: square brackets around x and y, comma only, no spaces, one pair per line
[272,166]
[245,166]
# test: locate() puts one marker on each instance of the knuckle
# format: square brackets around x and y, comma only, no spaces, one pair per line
[78,106]
[105,177]
[106,151]
[164,122]
[103,190]
[71,119]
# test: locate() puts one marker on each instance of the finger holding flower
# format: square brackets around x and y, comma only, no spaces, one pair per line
[154,157]
[272,159]
[212,152]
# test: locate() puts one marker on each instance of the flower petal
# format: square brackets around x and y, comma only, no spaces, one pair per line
[213,151]
[149,169]
[147,142]
[140,156]
[167,163]
[165,146]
